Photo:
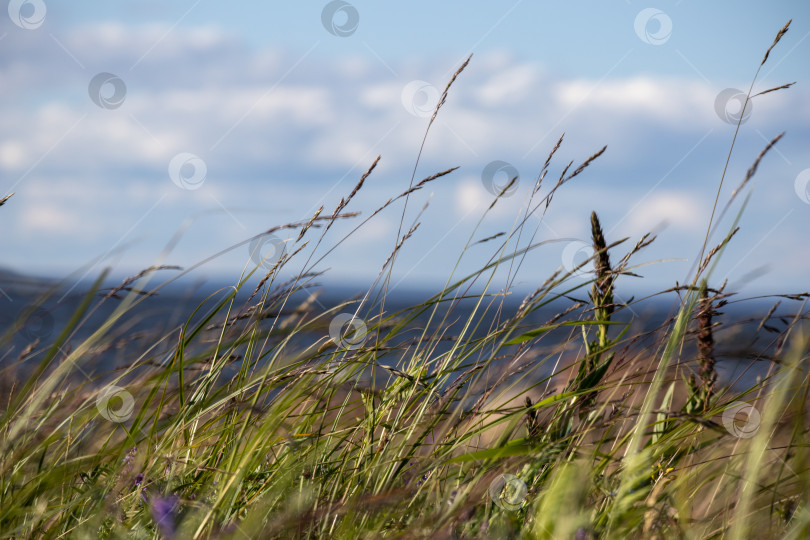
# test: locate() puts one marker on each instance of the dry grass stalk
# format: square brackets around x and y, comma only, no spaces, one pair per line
[502,192]
[716,249]
[602,292]
[779,36]
[553,151]
[488,238]
[763,322]
[282,260]
[709,228]
[399,244]
[585,164]
[705,339]
[753,169]
[125,285]
[443,97]
[544,169]
[433,177]
[344,202]
[784,86]
[363,179]
[306,227]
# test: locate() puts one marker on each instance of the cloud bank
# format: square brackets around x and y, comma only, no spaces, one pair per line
[282,132]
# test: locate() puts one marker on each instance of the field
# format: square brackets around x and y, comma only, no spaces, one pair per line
[264,415]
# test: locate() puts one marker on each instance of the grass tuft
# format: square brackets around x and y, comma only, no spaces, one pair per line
[460,415]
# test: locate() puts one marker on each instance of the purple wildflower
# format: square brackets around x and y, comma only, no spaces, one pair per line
[484,526]
[129,458]
[138,480]
[164,512]
[421,480]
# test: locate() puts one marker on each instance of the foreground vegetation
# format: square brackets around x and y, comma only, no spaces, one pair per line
[272,418]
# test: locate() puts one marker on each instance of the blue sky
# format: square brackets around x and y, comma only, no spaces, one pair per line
[280,116]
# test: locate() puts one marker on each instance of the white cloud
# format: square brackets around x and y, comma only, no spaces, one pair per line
[672,102]
[13,155]
[513,84]
[675,209]
[291,137]
[52,219]
[472,199]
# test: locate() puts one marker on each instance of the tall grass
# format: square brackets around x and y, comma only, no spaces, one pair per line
[266,419]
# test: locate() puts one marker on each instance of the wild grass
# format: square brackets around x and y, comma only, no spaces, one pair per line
[255,419]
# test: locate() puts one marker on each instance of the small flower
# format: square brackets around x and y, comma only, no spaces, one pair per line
[582,534]
[129,458]
[137,481]
[421,480]
[164,512]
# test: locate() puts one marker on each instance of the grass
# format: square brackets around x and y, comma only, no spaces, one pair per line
[257,419]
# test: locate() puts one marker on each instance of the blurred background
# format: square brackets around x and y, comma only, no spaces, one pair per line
[136,133]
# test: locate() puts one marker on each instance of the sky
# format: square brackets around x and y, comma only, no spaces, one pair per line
[141,133]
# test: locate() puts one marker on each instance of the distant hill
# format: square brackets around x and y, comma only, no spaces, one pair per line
[11,280]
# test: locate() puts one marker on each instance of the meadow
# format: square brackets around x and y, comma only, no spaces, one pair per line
[265,415]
